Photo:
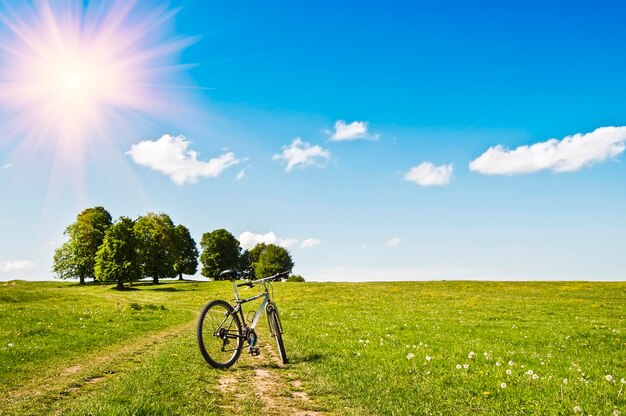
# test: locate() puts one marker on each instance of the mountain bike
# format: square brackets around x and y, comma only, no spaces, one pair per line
[222,328]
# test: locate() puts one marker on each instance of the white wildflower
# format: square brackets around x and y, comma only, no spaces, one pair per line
[511,363]
[428,358]
[428,373]
[608,377]
[623,380]
[471,355]
[486,354]
[565,381]
[410,356]
[498,364]
[530,372]
[459,366]
[535,376]
[509,372]
[616,412]
[503,385]
[577,409]
[10,345]
[466,366]
[358,354]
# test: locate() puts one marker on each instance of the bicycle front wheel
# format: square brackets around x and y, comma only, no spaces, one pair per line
[219,334]
[277,331]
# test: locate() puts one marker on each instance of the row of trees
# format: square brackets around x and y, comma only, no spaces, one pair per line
[221,251]
[153,247]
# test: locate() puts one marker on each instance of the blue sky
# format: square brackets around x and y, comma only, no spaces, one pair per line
[423,130]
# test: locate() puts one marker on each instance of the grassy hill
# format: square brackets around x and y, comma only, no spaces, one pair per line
[360,349]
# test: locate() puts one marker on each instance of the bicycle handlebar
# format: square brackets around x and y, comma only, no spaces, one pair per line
[277,276]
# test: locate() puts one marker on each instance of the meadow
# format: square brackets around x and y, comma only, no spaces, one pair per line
[409,348]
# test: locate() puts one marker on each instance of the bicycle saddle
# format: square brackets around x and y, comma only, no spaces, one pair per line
[229,274]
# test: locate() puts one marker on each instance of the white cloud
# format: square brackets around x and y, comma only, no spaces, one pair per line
[7,166]
[16,266]
[288,242]
[302,154]
[241,175]
[566,155]
[352,131]
[427,174]
[394,242]
[310,242]
[171,156]
[248,240]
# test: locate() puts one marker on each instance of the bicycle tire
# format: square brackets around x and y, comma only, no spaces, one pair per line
[276,329]
[215,326]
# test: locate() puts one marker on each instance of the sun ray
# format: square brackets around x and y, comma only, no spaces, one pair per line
[74,75]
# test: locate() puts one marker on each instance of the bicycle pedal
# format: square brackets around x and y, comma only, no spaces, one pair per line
[255,351]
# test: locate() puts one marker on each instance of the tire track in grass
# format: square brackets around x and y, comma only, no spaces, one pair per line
[264,386]
[67,382]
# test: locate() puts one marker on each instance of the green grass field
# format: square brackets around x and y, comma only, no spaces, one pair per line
[491,348]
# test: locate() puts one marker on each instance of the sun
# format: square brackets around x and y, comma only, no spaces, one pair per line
[71,73]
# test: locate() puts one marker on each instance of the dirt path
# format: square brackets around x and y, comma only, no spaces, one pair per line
[264,386]
[253,386]
[64,382]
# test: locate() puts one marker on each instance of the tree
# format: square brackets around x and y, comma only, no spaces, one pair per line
[64,264]
[186,252]
[295,278]
[156,246]
[220,251]
[272,260]
[248,258]
[77,256]
[117,257]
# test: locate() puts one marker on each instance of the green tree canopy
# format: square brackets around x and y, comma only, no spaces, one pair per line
[186,252]
[156,246]
[248,258]
[77,257]
[220,251]
[117,257]
[272,260]
[296,278]
[65,264]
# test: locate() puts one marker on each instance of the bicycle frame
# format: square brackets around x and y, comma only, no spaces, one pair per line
[238,309]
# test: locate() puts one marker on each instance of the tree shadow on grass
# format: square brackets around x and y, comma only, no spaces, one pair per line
[168,289]
[124,289]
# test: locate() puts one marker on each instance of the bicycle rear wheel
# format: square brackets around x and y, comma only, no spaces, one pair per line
[219,334]
[276,331]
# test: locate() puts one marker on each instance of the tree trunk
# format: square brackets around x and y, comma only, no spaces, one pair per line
[180,276]
[82,279]
[120,284]
[155,280]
